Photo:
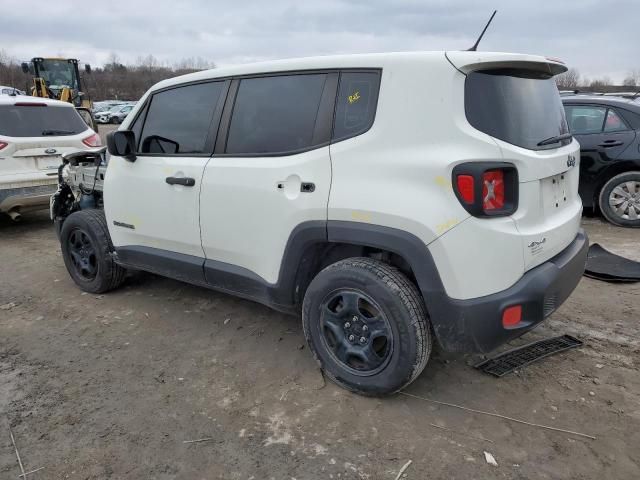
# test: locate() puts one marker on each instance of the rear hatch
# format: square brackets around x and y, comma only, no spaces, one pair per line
[514,100]
[35,135]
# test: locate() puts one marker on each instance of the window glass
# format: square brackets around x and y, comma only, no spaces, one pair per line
[518,106]
[585,119]
[614,123]
[178,120]
[136,127]
[356,104]
[39,121]
[275,114]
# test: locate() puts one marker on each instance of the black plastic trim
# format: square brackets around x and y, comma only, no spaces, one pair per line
[187,268]
[473,325]
[232,279]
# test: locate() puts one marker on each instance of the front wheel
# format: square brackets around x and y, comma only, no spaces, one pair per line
[87,252]
[620,199]
[367,326]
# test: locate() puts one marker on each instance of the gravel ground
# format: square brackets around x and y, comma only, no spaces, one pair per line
[112,386]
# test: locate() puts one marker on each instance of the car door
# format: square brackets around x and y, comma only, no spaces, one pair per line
[271,173]
[152,204]
[603,136]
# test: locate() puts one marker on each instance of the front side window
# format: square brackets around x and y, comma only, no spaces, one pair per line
[356,104]
[517,106]
[275,114]
[178,120]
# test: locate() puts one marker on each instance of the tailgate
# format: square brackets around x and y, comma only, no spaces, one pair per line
[514,100]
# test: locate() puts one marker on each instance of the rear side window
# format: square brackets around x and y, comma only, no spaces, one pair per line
[178,120]
[275,114]
[39,121]
[614,123]
[520,107]
[356,104]
[585,119]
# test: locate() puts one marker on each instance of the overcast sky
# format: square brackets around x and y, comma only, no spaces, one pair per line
[598,37]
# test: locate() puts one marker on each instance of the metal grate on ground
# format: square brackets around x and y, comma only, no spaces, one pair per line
[521,356]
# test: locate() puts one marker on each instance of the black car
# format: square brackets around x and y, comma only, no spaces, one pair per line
[608,129]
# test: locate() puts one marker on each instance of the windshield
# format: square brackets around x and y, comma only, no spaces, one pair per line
[520,107]
[58,73]
[39,121]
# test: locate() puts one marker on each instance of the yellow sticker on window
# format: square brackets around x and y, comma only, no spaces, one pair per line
[354,97]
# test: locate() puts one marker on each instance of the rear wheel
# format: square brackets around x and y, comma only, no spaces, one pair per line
[367,326]
[86,250]
[620,199]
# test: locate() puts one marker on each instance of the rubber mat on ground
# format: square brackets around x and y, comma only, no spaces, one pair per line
[607,266]
[519,357]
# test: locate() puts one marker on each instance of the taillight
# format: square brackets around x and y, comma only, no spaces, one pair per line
[3,144]
[465,187]
[92,140]
[493,190]
[486,189]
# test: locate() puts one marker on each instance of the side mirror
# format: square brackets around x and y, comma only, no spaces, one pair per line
[87,68]
[122,143]
[25,67]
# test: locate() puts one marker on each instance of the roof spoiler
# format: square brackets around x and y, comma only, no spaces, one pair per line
[467,61]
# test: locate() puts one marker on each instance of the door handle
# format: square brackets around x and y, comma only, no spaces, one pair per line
[184,181]
[610,143]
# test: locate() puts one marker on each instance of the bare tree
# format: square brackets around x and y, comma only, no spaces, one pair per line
[599,83]
[632,79]
[568,80]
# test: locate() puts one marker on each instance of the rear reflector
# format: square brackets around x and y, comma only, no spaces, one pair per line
[492,190]
[30,104]
[2,145]
[92,140]
[465,187]
[512,316]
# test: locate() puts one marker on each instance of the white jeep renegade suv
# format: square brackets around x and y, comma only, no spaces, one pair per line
[392,199]
[34,133]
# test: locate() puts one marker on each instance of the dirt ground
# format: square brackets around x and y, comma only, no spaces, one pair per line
[113,386]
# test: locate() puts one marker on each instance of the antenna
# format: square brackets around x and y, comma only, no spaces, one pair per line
[475,45]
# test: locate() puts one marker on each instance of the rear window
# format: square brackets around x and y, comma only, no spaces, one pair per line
[39,121]
[518,106]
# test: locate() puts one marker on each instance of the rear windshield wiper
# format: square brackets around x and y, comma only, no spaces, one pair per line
[57,132]
[556,139]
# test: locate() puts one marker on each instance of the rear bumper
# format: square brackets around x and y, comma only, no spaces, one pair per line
[26,198]
[475,325]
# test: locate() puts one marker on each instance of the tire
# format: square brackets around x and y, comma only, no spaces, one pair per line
[87,252]
[619,200]
[367,326]
[114,120]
